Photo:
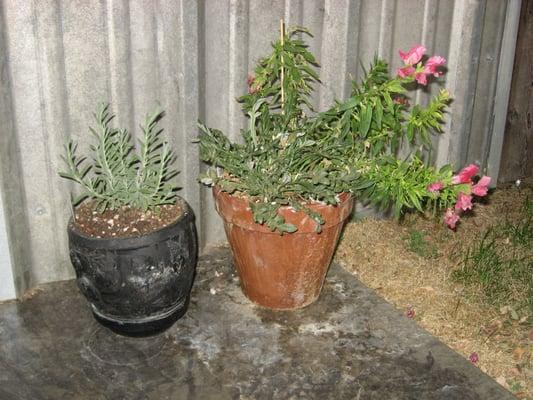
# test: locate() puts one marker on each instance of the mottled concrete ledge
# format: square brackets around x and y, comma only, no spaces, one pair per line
[350,344]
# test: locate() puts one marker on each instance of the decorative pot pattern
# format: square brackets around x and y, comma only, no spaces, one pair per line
[137,285]
[281,271]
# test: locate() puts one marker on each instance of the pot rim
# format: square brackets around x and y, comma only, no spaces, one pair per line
[343,209]
[121,243]
[345,196]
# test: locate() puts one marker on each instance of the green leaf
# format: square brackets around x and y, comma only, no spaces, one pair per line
[410,132]
[366,120]
[310,72]
[289,228]
[78,199]
[388,100]
[348,104]
[378,112]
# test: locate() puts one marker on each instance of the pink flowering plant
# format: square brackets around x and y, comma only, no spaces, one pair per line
[415,69]
[461,190]
[291,155]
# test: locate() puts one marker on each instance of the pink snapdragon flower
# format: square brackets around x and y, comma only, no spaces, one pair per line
[406,71]
[451,218]
[464,202]
[464,186]
[421,78]
[410,58]
[414,55]
[481,188]
[466,174]
[466,195]
[432,64]
[435,187]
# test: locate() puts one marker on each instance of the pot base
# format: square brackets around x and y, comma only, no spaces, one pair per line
[140,327]
[275,306]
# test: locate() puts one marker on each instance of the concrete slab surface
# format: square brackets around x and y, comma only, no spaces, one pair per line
[350,344]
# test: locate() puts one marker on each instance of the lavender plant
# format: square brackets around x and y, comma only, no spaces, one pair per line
[117,176]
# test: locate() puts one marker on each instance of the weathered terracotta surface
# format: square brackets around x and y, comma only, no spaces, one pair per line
[281,271]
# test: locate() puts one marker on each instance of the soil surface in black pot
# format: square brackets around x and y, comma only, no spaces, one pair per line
[125,221]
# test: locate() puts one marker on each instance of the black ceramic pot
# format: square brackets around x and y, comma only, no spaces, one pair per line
[137,285]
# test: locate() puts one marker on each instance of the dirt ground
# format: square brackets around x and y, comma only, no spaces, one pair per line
[377,252]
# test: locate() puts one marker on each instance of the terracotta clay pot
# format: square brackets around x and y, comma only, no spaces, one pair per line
[281,271]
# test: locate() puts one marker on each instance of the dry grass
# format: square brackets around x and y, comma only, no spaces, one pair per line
[377,252]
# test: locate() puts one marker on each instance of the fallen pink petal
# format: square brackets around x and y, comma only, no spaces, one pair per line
[410,313]
[474,358]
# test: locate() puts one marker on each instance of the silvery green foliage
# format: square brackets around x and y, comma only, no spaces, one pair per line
[117,176]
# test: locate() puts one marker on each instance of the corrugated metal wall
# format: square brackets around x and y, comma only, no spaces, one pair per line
[59,59]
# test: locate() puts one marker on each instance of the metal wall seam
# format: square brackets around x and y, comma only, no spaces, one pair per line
[386,28]
[293,15]
[213,60]
[119,65]
[461,79]
[15,261]
[50,72]
[238,63]
[334,72]
[427,38]
[189,107]
[503,88]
